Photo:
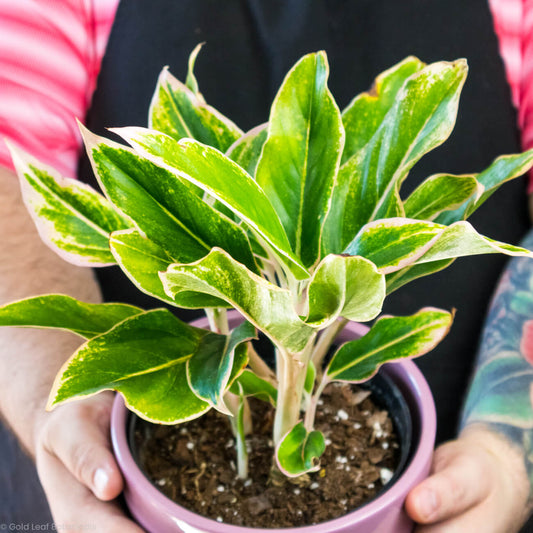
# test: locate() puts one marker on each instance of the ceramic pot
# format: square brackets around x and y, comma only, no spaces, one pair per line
[384,514]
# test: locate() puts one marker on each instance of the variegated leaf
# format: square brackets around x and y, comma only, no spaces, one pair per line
[389,339]
[210,368]
[142,260]
[421,118]
[365,113]
[265,305]
[249,384]
[345,286]
[434,193]
[64,312]
[191,82]
[221,178]
[300,159]
[163,206]
[503,169]
[144,358]
[299,451]
[179,112]
[247,150]
[71,217]
[440,193]
[394,243]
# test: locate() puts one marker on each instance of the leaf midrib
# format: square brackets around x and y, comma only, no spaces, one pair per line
[400,168]
[163,208]
[78,214]
[299,226]
[170,92]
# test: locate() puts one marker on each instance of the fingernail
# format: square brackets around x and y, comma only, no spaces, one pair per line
[101,480]
[428,503]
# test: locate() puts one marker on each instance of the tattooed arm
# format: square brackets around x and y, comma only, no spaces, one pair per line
[500,394]
[482,481]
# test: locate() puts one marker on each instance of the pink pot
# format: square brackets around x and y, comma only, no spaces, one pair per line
[385,514]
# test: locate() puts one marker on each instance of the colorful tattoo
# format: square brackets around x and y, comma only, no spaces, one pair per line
[501,391]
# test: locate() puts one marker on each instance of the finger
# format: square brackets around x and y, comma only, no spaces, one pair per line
[73,506]
[458,484]
[79,438]
[486,518]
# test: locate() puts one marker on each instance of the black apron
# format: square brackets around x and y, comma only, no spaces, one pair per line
[251,44]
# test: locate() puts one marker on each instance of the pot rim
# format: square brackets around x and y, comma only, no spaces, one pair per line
[418,395]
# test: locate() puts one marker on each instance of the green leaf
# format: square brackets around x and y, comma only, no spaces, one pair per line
[63,312]
[301,157]
[240,360]
[191,83]
[179,112]
[142,260]
[421,118]
[247,150]
[221,178]
[144,358]
[366,112]
[299,451]
[310,378]
[394,243]
[345,286]
[439,193]
[265,305]
[389,339]
[500,392]
[503,169]
[210,368]
[164,207]
[252,385]
[71,217]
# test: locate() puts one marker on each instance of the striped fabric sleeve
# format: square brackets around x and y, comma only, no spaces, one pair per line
[507,17]
[525,110]
[513,22]
[50,54]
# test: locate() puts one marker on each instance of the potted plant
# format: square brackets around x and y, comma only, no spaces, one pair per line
[299,226]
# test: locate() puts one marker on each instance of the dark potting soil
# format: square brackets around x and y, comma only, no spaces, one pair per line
[194,464]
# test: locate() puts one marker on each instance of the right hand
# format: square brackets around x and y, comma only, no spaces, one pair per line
[77,468]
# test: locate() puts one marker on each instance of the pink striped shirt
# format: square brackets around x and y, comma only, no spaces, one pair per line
[50,54]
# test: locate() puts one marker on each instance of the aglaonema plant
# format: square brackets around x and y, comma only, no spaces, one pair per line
[298,224]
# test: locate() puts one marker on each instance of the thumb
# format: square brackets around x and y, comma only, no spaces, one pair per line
[78,435]
[457,484]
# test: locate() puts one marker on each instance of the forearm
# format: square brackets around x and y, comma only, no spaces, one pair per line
[29,359]
[499,398]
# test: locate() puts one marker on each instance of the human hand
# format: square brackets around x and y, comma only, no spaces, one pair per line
[77,469]
[477,483]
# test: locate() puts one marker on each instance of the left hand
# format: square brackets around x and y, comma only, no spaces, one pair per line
[478,483]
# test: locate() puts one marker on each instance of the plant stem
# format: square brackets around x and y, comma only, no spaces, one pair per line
[241,421]
[309,420]
[268,270]
[218,320]
[241,425]
[291,371]
[325,341]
